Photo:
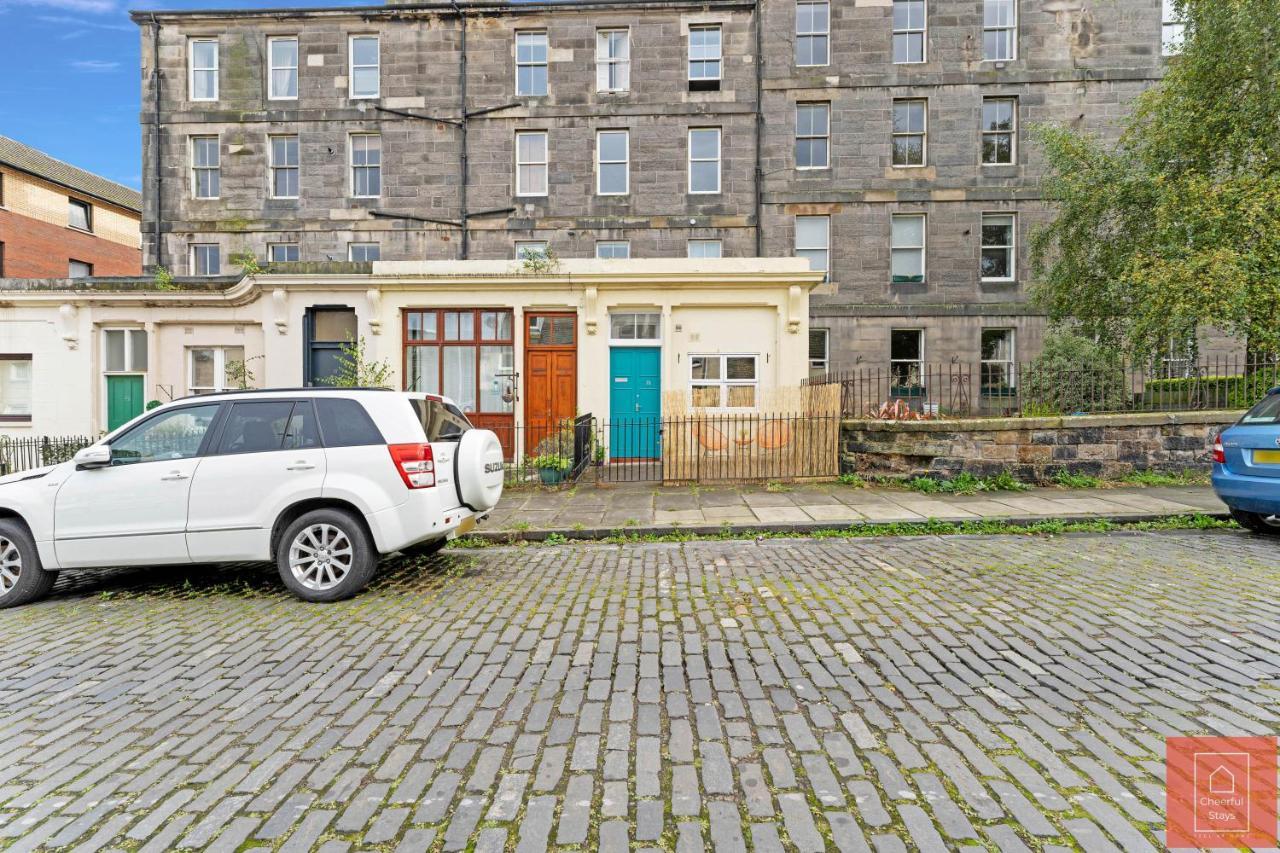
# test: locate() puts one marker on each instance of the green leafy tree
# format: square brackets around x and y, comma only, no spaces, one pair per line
[357,370]
[1177,224]
[1074,374]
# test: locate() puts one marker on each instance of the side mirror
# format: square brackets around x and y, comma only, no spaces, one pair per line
[93,456]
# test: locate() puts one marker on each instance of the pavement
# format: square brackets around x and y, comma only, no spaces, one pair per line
[887,694]
[595,511]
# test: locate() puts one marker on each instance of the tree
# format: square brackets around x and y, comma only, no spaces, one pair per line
[1177,224]
[355,370]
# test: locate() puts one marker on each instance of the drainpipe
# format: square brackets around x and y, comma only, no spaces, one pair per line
[462,112]
[156,89]
[759,130]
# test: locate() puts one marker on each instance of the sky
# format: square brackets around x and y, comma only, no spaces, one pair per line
[71,80]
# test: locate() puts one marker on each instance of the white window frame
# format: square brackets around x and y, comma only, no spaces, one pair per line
[689,244]
[275,167]
[717,58]
[724,382]
[1010,364]
[544,164]
[1011,248]
[826,160]
[1011,28]
[524,247]
[219,368]
[608,65]
[656,340]
[272,68]
[625,162]
[195,252]
[923,134]
[192,69]
[823,35]
[717,159]
[909,31]
[17,409]
[131,334]
[626,243]
[919,361]
[923,248]
[825,248]
[1173,29]
[1012,132]
[545,63]
[819,366]
[197,169]
[351,67]
[351,249]
[351,159]
[271,251]
[85,265]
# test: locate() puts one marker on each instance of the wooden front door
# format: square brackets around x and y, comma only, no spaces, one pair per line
[551,380]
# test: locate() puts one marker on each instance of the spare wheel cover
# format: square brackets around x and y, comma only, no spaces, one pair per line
[479,469]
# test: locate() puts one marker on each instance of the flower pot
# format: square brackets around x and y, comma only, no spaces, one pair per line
[551,476]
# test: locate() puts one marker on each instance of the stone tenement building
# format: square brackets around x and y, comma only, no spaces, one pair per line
[887,140]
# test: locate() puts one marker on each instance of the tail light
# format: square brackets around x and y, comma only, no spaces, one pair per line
[1219,455]
[416,465]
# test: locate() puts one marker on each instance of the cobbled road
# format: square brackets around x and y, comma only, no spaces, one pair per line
[926,693]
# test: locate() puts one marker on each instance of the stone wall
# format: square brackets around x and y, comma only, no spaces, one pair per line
[1034,449]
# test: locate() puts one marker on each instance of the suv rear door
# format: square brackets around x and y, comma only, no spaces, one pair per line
[266,456]
[443,424]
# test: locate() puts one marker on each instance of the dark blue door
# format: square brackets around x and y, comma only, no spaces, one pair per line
[635,402]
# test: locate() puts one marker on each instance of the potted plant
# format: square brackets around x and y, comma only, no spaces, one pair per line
[551,467]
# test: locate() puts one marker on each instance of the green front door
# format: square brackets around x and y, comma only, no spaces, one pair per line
[124,399]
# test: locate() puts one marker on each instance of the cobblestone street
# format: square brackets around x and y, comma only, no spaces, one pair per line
[1010,692]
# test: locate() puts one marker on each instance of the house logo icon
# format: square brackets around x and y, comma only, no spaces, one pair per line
[1222,781]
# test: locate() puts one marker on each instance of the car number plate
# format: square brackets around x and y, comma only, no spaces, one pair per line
[1266,457]
[468,524]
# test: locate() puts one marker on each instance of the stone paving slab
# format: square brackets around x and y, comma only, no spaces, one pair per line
[651,507]
[902,694]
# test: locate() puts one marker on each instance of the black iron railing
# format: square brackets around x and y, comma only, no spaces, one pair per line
[27,452]
[1028,389]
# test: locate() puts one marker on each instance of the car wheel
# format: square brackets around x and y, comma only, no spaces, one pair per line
[326,555]
[1257,522]
[425,549]
[22,580]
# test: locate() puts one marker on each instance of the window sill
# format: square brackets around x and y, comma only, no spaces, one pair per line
[15,421]
[80,230]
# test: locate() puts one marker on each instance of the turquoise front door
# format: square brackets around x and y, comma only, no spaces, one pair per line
[635,402]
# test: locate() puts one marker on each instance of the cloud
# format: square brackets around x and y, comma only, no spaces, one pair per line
[95,66]
[93,7]
[69,21]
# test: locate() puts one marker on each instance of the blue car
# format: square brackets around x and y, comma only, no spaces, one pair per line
[1246,466]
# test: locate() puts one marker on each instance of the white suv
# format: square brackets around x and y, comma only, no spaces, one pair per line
[322,481]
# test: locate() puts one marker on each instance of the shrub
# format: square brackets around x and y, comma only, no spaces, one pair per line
[1074,374]
[551,462]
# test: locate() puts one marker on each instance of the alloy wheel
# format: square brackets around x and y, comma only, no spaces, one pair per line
[10,565]
[320,556]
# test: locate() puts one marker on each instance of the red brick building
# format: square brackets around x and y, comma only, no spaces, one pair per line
[57,221]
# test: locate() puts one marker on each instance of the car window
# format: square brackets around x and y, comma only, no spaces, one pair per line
[345,423]
[440,421]
[303,431]
[175,434]
[254,427]
[1266,412]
